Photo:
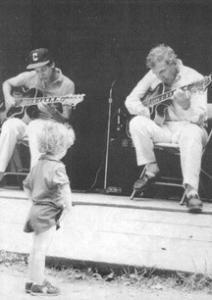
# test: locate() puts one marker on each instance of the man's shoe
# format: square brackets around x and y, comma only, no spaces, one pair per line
[1,175]
[141,183]
[2,181]
[28,286]
[45,289]
[194,204]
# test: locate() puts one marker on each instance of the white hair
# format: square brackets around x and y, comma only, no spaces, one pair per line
[161,53]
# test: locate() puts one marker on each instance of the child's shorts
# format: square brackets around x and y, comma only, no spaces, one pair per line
[42,217]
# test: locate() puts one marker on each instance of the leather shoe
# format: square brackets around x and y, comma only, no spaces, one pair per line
[143,182]
[194,204]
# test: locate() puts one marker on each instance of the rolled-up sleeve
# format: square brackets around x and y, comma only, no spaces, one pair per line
[60,177]
[27,183]
[198,108]
[134,100]
[199,104]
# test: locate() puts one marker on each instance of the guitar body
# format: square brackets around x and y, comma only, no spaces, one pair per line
[158,100]
[27,105]
[31,111]
[158,110]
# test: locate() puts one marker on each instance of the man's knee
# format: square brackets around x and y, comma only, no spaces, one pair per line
[11,125]
[138,123]
[191,132]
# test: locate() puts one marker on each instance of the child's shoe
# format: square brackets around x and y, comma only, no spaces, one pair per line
[45,289]
[28,286]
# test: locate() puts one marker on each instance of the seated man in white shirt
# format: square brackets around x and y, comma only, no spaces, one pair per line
[182,121]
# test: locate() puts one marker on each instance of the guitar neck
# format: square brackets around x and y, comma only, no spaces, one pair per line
[198,85]
[72,100]
[158,99]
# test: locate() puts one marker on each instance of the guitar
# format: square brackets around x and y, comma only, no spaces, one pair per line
[158,102]
[28,100]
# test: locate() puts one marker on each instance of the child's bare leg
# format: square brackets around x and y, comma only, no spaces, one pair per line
[41,242]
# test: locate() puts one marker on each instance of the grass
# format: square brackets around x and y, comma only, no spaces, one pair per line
[140,278]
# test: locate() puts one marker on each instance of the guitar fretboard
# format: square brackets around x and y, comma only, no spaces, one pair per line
[193,87]
[71,100]
[158,99]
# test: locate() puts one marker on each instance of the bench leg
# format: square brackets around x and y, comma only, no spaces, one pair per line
[134,190]
[182,200]
[133,194]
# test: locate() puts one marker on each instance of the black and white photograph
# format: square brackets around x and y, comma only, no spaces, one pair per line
[106,149]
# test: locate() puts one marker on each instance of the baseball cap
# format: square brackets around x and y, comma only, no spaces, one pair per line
[38,58]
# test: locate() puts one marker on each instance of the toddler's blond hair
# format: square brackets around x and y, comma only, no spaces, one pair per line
[55,138]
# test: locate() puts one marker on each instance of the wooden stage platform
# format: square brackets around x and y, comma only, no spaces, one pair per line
[110,229]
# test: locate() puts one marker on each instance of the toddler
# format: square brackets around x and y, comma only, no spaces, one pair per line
[47,185]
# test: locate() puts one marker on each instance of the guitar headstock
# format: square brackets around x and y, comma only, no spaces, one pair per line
[207,80]
[73,100]
[200,86]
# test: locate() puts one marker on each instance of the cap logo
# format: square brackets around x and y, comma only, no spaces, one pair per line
[35,56]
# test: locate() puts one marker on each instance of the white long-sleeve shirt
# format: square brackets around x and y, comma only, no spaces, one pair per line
[186,75]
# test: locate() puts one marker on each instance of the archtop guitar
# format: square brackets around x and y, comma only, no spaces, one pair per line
[158,101]
[28,101]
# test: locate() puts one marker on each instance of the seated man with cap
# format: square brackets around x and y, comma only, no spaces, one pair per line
[43,76]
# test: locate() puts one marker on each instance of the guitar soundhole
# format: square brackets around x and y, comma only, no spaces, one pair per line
[162,108]
[33,112]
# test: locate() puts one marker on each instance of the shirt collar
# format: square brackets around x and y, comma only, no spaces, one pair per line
[180,66]
[48,157]
[58,76]
[57,81]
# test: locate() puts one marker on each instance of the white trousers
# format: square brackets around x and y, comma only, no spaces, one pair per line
[14,130]
[190,137]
